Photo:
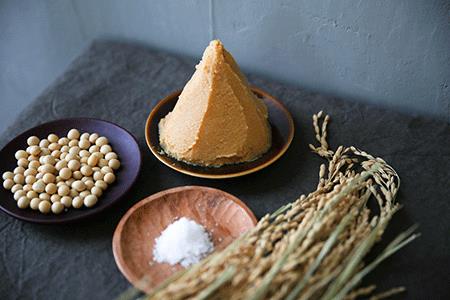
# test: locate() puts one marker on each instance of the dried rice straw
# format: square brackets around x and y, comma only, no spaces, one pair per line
[312,248]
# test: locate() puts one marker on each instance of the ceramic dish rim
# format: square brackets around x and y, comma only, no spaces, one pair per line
[229,175]
[86,214]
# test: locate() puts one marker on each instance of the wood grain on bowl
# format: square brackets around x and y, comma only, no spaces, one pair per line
[223,215]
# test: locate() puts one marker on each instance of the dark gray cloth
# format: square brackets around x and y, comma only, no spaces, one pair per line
[121,83]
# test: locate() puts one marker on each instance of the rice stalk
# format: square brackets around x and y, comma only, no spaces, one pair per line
[313,247]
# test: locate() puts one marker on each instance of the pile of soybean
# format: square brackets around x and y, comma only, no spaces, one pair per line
[55,174]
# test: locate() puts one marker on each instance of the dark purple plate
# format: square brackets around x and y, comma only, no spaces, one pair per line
[122,142]
[282,126]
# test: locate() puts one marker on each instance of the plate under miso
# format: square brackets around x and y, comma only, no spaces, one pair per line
[282,126]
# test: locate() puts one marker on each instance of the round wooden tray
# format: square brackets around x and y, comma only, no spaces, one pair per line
[223,215]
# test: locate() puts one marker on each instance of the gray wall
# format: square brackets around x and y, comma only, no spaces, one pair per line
[393,53]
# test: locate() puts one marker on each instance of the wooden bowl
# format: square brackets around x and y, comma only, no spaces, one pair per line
[122,142]
[280,120]
[223,215]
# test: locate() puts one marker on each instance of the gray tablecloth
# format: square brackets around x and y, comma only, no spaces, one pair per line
[122,82]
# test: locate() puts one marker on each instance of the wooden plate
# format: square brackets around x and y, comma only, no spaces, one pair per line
[223,215]
[282,134]
[122,142]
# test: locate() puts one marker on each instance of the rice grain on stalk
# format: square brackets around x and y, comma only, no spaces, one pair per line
[312,248]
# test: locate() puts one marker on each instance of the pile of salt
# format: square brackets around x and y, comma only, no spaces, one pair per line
[184,241]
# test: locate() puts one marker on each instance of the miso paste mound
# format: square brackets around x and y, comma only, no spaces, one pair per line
[217,119]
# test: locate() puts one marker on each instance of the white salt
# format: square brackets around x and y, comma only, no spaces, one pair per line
[184,241]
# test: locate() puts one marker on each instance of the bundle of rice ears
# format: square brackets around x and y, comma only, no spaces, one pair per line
[312,248]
